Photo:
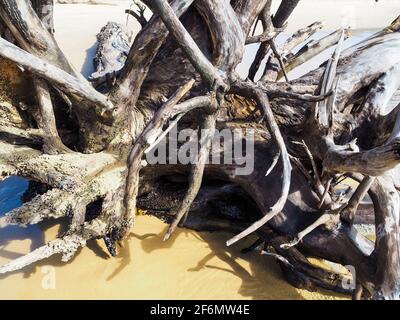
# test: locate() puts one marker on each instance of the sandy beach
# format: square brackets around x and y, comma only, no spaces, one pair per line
[77,24]
[191,265]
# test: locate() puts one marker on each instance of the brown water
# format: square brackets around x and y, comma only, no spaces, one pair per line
[191,265]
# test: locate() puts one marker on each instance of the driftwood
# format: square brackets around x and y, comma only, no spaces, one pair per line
[339,121]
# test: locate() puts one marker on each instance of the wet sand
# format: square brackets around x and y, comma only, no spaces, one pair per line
[191,265]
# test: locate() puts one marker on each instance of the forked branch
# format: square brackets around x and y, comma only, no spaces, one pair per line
[64,80]
[263,103]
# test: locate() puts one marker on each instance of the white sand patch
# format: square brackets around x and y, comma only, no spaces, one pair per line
[358,14]
[78,24]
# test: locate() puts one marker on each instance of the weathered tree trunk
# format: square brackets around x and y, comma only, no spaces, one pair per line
[335,122]
[45,11]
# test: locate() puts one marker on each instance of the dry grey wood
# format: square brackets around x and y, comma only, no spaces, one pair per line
[299,37]
[195,55]
[285,9]
[139,15]
[196,175]
[263,103]
[326,107]
[52,141]
[64,81]
[149,135]
[312,49]
[226,33]
[111,54]
[142,53]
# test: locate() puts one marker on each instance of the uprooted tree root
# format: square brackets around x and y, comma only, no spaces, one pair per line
[86,141]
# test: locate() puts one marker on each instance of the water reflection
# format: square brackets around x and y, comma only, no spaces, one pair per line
[11,193]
